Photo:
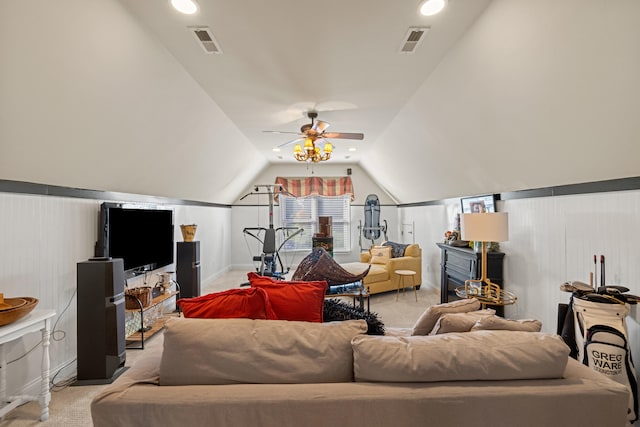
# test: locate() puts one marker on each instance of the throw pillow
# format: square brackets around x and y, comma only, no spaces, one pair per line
[303,301]
[428,319]
[459,322]
[397,249]
[250,303]
[493,323]
[337,310]
[380,254]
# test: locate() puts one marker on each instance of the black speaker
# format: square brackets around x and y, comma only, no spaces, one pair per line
[188,269]
[100,323]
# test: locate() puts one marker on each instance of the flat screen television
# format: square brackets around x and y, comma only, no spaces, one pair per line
[143,238]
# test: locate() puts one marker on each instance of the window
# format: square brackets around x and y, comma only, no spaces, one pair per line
[304,212]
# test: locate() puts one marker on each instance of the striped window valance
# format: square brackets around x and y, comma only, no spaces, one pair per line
[320,186]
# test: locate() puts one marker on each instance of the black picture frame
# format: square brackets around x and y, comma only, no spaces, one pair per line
[484,203]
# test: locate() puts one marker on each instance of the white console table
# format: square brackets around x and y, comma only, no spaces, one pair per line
[37,320]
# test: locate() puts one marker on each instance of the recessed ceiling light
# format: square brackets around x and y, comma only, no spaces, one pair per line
[432,7]
[353,149]
[276,149]
[188,7]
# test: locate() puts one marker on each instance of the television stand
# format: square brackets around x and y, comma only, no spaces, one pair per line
[144,322]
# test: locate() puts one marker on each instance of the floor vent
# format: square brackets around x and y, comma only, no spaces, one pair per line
[206,39]
[414,36]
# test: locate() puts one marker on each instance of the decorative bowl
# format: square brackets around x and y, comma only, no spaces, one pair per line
[18,311]
[13,303]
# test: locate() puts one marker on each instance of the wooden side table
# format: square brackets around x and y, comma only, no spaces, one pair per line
[401,281]
[38,320]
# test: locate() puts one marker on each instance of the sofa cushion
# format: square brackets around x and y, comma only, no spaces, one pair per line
[250,303]
[428,319]
[380,254]
[482,355]
[377,272]
[293,300]
[229,351]
[413,250]
[495,323]
[459,322]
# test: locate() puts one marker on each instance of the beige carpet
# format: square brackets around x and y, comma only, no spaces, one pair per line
[69,407]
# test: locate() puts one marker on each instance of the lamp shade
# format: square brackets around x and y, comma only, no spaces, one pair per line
[485,227]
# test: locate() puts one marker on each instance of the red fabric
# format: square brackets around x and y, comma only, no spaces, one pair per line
[315,185]
[250,303]
[293,300]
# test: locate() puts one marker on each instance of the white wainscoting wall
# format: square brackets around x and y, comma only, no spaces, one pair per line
[41,240]
[552,240]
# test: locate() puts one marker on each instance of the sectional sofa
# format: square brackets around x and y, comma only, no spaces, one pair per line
[246,372]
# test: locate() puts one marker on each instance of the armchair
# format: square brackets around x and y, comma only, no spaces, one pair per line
[382,277]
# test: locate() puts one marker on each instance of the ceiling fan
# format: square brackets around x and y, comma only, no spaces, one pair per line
[317,130]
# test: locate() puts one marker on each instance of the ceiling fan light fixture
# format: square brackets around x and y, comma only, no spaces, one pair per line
[188,7]
[432,7]
[313,132]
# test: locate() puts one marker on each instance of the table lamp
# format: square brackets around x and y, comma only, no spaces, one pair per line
[486,228]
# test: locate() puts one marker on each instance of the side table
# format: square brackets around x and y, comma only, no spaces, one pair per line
[401,281]
[355,291]
[38,320]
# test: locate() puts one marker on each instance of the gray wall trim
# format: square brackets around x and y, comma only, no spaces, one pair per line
[620,184]
[7,186]
[430,203]
[20,187]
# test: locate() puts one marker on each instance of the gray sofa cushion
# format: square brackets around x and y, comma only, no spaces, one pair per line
[230,351]
[482,355]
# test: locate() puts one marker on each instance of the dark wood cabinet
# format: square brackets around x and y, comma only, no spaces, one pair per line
[460,264]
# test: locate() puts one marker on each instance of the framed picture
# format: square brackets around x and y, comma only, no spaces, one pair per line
[477,204]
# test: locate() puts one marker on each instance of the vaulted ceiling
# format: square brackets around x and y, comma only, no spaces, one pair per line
[499,95]
[281,59]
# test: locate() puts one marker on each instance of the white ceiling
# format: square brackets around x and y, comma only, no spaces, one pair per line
[283,58]
[502,95]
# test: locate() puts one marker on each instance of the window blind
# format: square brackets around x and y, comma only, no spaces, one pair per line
[304,212]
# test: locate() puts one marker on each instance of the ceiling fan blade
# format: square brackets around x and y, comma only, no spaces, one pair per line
[343,135]
[291,142]
[319,126]
[280,131]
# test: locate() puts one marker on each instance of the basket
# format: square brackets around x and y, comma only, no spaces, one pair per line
[20,310]
[143,294]
[188,232]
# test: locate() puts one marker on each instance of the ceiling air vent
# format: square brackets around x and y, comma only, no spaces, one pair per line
[206,39]
[413,38]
